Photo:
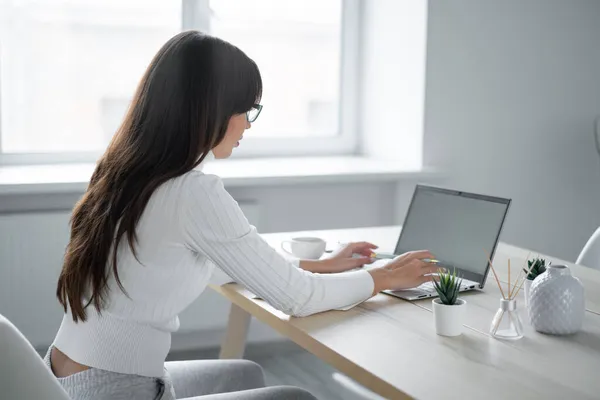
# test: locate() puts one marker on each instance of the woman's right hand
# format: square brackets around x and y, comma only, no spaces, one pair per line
[404,272]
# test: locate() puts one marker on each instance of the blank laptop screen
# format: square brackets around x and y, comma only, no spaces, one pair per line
[461,230]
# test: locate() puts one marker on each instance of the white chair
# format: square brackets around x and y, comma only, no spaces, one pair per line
[590,255]
[23,374]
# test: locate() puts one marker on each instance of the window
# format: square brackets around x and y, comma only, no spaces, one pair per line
[68,69]
[297,47]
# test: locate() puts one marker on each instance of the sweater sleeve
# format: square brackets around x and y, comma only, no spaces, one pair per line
[216,227]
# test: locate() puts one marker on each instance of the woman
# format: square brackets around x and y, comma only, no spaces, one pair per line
[151,227]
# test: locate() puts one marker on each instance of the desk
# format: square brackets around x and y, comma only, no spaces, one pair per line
[390,345]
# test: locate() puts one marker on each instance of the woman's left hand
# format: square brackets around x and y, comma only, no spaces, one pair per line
[364,249]
[343,259]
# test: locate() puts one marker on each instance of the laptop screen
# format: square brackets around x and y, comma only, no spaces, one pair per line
[460,229]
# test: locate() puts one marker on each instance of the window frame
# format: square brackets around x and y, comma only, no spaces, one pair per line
[196,15]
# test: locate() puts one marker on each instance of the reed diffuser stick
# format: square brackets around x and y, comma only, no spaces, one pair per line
[524,279]
[519,276]
[508,290]
[496,276]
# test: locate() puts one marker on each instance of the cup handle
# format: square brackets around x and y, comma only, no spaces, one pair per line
[286,250]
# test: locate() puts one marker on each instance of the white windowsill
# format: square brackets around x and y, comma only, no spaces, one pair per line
[73,178]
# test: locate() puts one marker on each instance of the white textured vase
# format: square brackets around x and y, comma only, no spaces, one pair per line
[449,320]
[556,302]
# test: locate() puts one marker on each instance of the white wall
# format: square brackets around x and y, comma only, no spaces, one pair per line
[393,79]
[512,90]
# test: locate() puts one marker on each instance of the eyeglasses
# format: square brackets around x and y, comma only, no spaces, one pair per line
[253,113]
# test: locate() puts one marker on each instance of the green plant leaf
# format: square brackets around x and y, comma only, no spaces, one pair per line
[537,266]
[444,299]
[448,287]
[455,294]
[438,288]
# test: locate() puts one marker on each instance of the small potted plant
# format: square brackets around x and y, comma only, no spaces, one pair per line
[536,267]
[448,309]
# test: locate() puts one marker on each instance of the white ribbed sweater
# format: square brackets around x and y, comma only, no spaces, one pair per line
[190,225]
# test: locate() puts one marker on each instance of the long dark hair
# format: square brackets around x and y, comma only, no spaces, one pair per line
[180,112]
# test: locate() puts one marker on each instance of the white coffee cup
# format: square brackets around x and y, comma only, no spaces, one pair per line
[309,248]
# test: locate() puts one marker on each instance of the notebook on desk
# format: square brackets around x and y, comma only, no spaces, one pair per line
[461,229]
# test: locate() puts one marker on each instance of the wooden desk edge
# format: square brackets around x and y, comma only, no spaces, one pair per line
[326,354]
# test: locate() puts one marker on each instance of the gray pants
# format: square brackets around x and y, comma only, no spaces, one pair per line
[199,379]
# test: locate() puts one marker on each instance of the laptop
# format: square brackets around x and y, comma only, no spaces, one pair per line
[461,229]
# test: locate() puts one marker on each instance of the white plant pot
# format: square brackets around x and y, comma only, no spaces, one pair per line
[527,288]
[449,320]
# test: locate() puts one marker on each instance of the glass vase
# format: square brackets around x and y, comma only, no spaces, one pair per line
[507,323]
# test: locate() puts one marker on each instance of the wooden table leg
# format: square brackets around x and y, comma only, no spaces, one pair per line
[235,336]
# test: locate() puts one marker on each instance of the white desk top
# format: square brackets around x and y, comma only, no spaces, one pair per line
[390,345]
